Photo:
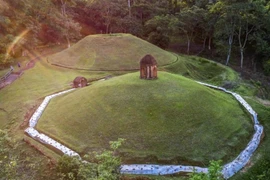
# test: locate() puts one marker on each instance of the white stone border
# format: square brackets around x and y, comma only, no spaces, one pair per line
[31,131]
[228,170]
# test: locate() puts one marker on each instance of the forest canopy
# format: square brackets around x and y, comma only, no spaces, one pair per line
[225,29]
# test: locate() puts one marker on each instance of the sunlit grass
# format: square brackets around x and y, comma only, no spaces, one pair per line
[203,70]
[36,83]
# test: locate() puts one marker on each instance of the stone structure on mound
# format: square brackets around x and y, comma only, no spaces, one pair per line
[79,82]
[148,67]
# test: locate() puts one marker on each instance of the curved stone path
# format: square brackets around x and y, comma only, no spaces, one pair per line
[228,170]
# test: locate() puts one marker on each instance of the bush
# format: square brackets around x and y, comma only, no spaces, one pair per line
[214,172]
[71,168]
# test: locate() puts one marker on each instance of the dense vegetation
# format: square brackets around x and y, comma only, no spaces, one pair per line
[237,32]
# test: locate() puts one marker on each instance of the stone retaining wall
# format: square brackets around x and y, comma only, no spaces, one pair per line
[42,137]
[228,170]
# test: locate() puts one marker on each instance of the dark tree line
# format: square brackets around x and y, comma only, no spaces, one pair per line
[227,29]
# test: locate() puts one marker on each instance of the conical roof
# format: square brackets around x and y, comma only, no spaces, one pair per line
[148,59]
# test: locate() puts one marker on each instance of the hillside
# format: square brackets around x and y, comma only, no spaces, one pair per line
[110,52]
[168,119]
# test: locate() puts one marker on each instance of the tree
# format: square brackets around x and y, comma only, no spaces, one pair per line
[159,28]
[242,20]
[248,23]
[225,25]
[108,164]
[206,27]
[108,12]
[69,28]
[189,20]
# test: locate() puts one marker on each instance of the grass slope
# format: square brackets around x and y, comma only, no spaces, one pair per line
[110,52]
[203,70]
[168,118]
[36,83]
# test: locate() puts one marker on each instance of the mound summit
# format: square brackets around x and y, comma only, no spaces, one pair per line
[110,52]
[168,118]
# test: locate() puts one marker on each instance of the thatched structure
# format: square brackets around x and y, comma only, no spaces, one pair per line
[79,82]
[148,67]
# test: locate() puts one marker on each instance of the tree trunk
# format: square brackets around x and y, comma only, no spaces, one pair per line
[209,42]
[204,42]
[129,8]
[243,45]
[203,48]
[107,28]
[242,56]
[188,45]
[254,64]
[68,42]
[229,49]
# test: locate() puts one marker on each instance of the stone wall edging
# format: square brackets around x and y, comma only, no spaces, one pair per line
[32,132]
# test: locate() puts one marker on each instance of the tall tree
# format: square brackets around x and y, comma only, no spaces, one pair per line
[159,28]
[68,24]
[189,20]
[108,12]
[225,26]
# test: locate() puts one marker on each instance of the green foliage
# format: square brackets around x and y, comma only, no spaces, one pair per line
[106,168]
[108,164]
[158,29]
[68,167]
[6,60]
[214,172]
[159,39]
[87,171]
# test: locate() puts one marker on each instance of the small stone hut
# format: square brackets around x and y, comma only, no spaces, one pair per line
[79,82]
[148,67]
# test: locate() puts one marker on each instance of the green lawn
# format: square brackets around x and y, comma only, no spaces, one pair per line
[27,91]
[110,52]
[171,118]
[202,69]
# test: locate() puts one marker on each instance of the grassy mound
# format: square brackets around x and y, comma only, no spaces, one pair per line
[168,118]
[110,52]
[202,69]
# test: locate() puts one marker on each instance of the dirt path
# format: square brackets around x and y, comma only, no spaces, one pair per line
[12,77]
[15,75]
